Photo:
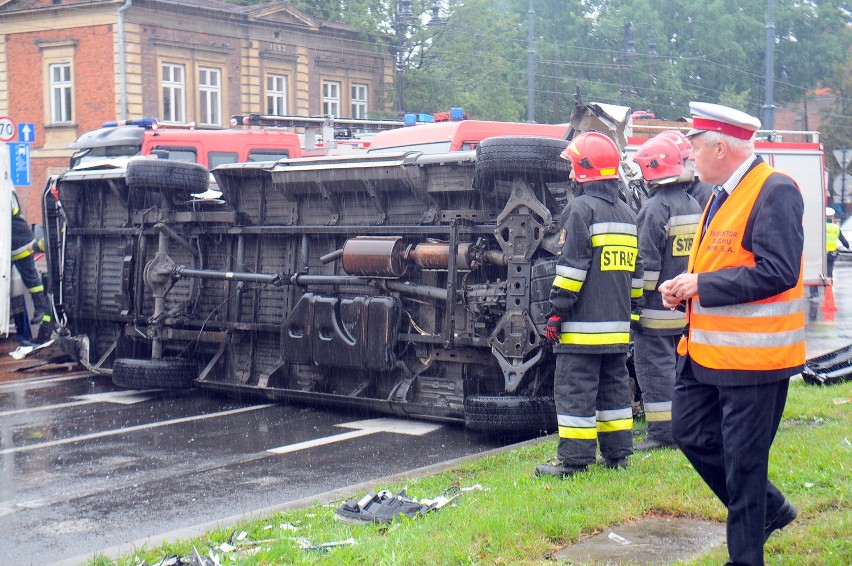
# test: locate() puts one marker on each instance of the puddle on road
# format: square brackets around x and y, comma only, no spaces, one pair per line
[655,540]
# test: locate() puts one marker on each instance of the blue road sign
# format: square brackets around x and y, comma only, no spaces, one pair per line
[19,155]
[26,132]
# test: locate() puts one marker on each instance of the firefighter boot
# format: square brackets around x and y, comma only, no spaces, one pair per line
[558,468]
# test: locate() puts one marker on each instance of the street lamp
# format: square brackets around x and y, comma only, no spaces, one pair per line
[628,55]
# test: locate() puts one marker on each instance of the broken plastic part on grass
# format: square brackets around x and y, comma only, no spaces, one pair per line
[384,506]
[306,544]
[829,369]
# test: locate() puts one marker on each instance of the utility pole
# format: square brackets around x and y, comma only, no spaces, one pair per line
[531,65]
[769,90]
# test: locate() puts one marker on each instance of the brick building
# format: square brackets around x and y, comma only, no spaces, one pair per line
[70,65]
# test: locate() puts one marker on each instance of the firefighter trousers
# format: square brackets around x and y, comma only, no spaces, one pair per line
[25,264]
[655,358]
[592,393]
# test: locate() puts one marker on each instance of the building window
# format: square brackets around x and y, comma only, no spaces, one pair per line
[210,97]
[276,95]
[174,93]
[331,98]
[60,93]
[359,101]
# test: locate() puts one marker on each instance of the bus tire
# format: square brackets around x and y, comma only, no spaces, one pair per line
[167,176]
[168,373]
[535,159]
[509,414]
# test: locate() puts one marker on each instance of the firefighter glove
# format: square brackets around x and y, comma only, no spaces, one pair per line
[554,328]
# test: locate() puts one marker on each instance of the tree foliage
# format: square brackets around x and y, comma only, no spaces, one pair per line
[653,55]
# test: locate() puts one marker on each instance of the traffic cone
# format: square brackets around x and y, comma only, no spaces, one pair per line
[828,305]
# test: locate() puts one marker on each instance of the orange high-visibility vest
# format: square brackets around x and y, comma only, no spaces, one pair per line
[768,334]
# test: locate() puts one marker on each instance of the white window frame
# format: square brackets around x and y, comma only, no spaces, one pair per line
[209,96]
[61,93]
[174,91]
[331,98]
[276,94]
[359,100]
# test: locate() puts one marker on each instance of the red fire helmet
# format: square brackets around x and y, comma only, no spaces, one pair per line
[660,160]
[593,156]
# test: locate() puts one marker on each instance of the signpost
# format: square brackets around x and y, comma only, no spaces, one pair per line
[7,128]
[26,132]
[19,156]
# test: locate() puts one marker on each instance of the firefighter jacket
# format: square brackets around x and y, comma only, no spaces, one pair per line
[22,234]
[598,274]
[833,235]
[700,191]
[667,224]
[746,326]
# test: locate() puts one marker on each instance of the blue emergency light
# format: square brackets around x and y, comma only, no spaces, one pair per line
[142,123]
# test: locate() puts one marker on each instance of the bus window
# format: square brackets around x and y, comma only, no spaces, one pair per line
[217,158]
[185,154]
[267,155]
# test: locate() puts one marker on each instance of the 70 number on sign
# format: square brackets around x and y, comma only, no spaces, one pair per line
[7,129]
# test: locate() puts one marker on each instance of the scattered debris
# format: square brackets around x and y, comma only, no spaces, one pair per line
[384,506]
[305,544]
[828,369]
[618,538]
[23,351]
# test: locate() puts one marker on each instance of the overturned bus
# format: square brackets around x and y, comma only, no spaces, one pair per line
[406,283]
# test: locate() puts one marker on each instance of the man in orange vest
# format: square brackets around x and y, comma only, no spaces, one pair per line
[745,326]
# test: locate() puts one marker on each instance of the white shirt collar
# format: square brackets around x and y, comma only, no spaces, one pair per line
[738,175]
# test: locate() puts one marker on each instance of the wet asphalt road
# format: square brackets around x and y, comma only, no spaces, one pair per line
[85,466]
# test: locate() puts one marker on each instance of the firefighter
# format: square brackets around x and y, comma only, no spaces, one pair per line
[598,280]
[696,188]
[23,248]
[833,236]
[666,224]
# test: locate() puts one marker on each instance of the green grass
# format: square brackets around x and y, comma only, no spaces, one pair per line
[520,519]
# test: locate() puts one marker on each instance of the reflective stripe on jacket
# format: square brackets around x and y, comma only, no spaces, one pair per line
[762,335]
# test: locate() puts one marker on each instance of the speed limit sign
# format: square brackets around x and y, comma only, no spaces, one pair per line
[7,128]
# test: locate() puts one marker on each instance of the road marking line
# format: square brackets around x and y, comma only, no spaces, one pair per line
[363,428]
[129,429]
[39,382]
[119,397]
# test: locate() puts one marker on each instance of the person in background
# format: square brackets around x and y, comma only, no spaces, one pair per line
[598,279]
[745,334]
[696,188]
[667,223]
[833,236]
[23,247]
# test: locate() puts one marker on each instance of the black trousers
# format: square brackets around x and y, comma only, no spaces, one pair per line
[726,433]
